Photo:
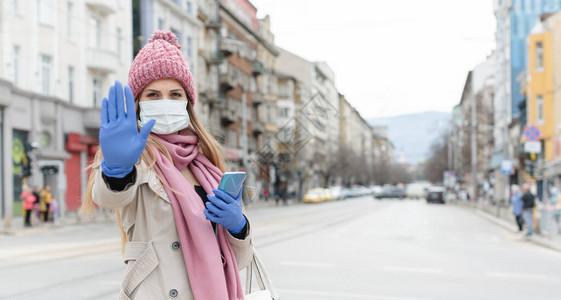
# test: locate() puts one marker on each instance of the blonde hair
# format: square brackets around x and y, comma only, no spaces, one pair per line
[208,145]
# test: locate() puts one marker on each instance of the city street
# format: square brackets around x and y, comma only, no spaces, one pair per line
[357,248]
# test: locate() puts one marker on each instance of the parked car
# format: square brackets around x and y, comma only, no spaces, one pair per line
[391,192]
[417,189]
[359,190]
[376,189]
[436,195]
[338,192]
[316,195]
[313,196]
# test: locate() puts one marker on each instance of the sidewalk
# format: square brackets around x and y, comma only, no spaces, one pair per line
[507,222]
[72,218]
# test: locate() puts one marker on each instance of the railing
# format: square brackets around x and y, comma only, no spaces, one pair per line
[257,67]
[91,118]
[228,116]
[104,6]
[257,98]
[101,59]
[214,57]
[257,126]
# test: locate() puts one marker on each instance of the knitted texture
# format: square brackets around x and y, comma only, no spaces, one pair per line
[161,58]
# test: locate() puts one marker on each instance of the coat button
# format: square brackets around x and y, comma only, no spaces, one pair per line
[173,293]
[175,246]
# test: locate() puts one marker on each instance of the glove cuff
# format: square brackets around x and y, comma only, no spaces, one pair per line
[239,228]
[115,172]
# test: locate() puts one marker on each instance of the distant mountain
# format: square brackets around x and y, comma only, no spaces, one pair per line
[413,133]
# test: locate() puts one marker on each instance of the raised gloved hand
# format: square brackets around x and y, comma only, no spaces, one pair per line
[120,141]
[225,210]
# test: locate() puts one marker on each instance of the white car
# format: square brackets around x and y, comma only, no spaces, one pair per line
[338,192]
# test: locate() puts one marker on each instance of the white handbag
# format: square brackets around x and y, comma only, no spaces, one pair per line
[266,290]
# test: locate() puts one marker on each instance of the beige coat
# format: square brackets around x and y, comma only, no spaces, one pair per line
[155,264]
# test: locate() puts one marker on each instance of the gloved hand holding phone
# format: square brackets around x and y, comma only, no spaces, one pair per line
[225,210]
[120,141]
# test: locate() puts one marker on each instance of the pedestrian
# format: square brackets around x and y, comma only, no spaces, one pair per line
[175,245]
[266,194]
[54,210]
[528,200]
[27,200]
[517,206]
[44,202]
[36,213]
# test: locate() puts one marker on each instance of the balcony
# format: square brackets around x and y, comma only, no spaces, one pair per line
[228,46]
[214,57]
[257,67]
[257,98]
[257,127]
[228,80]
[228,116]
[91,117]
[213,23]
[101,60]
[212,97]
[105,7]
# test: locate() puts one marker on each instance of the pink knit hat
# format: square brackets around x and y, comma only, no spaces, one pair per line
[161,58]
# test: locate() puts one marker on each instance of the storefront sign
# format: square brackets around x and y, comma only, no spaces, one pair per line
[506,166]
[533,147]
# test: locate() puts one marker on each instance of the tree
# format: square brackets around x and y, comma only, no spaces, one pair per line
[438,161]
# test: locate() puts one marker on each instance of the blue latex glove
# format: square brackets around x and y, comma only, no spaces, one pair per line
[225,210]
[120,141]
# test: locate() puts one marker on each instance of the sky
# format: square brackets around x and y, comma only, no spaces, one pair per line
[389,57]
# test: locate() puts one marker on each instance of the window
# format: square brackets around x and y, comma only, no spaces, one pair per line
[119,44]
[189,46]
[45,74]
[95,33]
[178,2]
[16,65]
[16,6]
[539,56]
[268,85]
[232,138]
[539,110]
[189,7]
[96,91]
[283,90]
[70,84]
[177,34]
[160,23]
[69,23]
[268,114]
[283,113]
[45,11]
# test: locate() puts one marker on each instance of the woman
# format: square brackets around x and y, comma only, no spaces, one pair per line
[175,246]
[28,200]
[516,201]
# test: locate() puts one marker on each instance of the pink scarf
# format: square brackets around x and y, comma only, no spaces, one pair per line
[209,258]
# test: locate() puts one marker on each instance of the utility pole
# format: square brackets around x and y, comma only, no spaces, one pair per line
[244,131]
[474,127]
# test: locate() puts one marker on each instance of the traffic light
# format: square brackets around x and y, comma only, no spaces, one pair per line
[26,166]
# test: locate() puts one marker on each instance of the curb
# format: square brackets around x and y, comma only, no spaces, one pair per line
[535,238]
[49,227]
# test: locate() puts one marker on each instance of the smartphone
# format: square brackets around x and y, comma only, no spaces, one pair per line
[231,183]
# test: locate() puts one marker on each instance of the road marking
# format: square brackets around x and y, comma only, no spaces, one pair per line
[338,295]
[516,275]
[413,270]
[306,264]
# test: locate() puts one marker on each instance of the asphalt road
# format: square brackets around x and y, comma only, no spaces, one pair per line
[353,249]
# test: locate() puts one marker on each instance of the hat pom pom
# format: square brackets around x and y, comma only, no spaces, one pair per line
[165,35]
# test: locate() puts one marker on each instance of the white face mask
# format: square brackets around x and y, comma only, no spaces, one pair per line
[170,115]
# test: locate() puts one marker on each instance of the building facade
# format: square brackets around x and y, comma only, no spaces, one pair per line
[58,59]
